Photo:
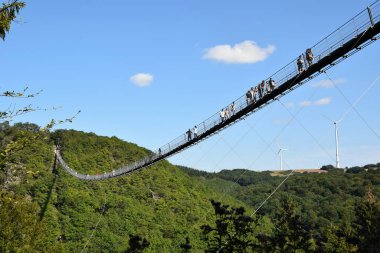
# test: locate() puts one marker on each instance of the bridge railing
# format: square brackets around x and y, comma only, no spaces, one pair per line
[351,29]
[355,26]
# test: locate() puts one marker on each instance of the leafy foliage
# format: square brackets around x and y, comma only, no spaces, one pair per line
[8,14]
[137,244]
[101,215]
[164,205]
[232,231]
[368,221]
[324,211]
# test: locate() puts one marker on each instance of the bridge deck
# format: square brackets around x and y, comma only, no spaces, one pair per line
[357,33]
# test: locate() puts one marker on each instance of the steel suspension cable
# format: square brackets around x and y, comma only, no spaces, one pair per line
[352,105]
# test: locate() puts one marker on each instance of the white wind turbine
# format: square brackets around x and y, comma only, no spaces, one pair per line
[280,154]
[337,163]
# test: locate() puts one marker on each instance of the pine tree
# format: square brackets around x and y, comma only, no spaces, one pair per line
[292,233]
[337,242]
[137,244]
[232,232]
[368,221]
[186,247]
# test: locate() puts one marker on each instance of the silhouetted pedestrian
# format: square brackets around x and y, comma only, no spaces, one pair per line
[263,87]
[233,108]
[248,96]
[188,135]
[259,91]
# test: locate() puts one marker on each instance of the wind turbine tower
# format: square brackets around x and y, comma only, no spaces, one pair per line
[336,144]
[337,164]
[280,154]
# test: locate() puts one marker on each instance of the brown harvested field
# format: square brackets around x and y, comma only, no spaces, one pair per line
[283,173]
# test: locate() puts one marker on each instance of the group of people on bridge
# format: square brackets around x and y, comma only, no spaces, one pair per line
[257,92]
[254,94]
[309,59]
[227,112]
[192,133]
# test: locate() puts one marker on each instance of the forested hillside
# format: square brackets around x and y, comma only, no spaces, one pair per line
[165,208]
[325,193]
[45,209]
[324,199]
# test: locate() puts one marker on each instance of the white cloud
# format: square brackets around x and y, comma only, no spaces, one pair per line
[306,103]
[244,52]
[327,83]
[320,102]
[141,79]
[323,101]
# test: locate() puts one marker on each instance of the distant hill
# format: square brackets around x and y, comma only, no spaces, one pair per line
[326,197]
[161,203]
[44,209]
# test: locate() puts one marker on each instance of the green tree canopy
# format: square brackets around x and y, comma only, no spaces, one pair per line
[8,13]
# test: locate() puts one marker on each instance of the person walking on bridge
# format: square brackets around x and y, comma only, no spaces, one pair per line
[259,91]
[248,97]
[222,115]
[233,108]
[300,64]
[309,56]
[263,87]
[272,84]
[188,135]
[195,131]
[226,113]
[253,95]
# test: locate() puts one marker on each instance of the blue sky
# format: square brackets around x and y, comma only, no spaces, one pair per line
[146,71]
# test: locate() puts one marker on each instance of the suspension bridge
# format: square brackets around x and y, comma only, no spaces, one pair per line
[357,33]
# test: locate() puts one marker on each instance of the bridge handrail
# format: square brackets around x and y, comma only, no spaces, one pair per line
[356,26]
[361,22]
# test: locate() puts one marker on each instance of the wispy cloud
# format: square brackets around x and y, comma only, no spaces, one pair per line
[323,101]
[327,83]
[306,103]
[244,52]
[141,79]
[320,102]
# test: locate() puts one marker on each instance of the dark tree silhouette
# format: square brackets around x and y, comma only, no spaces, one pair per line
[137,244]
[232,232]
[291,233]
[368,221]
[186,247]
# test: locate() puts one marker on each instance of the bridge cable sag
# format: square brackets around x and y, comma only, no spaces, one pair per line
[353,105]
[344,114]
[331,50]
